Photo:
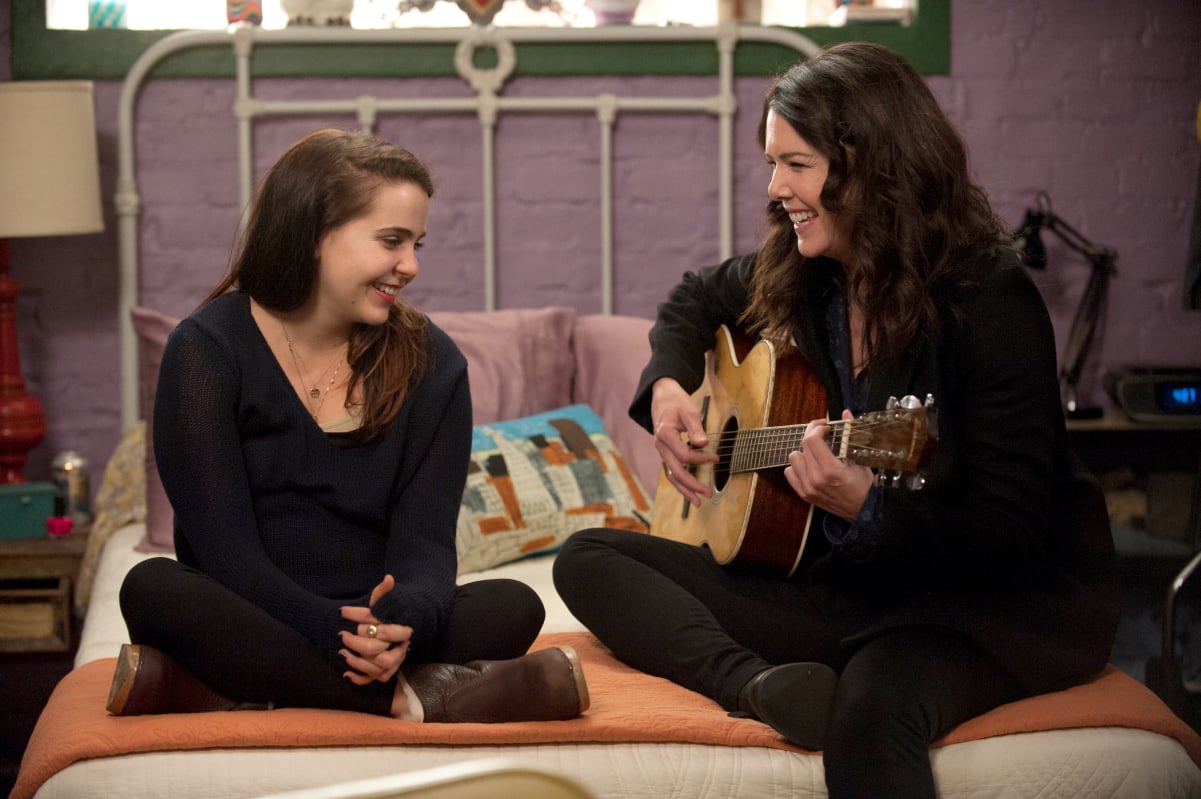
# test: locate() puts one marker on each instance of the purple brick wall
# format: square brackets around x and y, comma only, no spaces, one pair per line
[1094,102]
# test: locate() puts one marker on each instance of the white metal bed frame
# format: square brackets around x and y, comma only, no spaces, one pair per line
[487,104]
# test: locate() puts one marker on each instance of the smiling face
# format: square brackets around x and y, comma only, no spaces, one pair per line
[798,175]
[364,263]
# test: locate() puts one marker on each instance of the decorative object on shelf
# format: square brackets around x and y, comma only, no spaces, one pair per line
[51,180]
[848,12]
[310,13]
[1092,302]
[405,6]
[613,12]
[106,14]
[247,11]
[480,12]
[749,12]
[58,526]
[73,487]
[24,510]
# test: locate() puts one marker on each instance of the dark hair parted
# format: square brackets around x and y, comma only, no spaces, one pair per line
[899,182]
[322,182]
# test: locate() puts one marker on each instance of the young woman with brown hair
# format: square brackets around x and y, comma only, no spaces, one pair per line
[312,431]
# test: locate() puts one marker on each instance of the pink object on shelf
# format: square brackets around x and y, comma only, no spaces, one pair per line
[59,525]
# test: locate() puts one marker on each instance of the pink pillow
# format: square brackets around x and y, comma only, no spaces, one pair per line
[610,352]
[519,361]
[152,329]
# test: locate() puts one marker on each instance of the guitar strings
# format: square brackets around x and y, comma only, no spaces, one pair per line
[774,438]
[761,448]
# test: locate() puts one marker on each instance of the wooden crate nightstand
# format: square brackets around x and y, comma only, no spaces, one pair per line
[36,580]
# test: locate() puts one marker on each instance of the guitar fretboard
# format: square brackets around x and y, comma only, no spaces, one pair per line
[752,449]
[769,447]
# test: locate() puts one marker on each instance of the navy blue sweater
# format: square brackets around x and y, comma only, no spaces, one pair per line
[290,517]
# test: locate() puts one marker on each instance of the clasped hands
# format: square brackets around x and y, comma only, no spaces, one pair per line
[373,657]
[813,471]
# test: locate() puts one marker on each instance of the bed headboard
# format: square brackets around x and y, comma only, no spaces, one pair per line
[484,100]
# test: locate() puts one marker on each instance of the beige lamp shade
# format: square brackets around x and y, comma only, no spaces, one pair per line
[49,174]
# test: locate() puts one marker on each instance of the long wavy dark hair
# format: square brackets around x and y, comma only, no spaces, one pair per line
[325,180]
[898,181]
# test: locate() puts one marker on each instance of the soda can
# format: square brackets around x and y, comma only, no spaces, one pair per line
[74,489]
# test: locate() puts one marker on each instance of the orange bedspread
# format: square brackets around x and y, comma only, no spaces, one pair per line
[627,706]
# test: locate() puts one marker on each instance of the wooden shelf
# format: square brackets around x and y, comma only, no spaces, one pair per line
[1117,421]
[37,576]
[33,558]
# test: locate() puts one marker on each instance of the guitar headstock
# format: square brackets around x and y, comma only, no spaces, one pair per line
[893,440]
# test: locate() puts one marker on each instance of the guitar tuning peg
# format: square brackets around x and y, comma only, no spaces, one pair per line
[892,403]
[929,401]
[915,482]
[910,402]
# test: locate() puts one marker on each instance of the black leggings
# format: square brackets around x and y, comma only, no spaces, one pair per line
[670,610]
[246,654]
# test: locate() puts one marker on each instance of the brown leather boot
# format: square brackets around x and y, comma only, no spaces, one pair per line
[547,685]
[148,681]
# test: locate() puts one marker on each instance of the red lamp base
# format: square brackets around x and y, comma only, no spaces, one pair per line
[22,421]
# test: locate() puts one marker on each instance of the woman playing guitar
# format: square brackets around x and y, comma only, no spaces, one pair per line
[887,272]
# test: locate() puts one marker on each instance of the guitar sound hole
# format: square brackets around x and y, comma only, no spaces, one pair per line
[725,452]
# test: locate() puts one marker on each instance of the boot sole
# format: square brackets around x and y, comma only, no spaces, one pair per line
[577,674]
[796,700]
[128,662]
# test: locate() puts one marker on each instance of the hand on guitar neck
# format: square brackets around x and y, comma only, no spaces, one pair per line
[822,479]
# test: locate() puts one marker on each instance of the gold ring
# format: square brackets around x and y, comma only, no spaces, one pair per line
[667,471]
[372,631]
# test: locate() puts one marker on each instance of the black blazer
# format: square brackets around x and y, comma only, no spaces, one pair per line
[1009,541]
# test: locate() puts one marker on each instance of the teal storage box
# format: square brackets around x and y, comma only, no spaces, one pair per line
[24,509]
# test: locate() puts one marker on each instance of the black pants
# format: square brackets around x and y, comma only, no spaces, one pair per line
[670,610]
[246,654]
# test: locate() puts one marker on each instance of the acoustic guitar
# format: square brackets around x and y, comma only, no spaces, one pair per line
[749,403]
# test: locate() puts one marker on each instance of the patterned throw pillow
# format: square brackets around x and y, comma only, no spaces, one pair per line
[534,481]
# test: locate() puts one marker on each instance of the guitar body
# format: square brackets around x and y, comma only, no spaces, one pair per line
[754,518]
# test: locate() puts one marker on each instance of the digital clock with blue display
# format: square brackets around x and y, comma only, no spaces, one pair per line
[1167,394]
[1179,397]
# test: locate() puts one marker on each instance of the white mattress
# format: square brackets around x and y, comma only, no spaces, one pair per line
[1100,763]
[104,629]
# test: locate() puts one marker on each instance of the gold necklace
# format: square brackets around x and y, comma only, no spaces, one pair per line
[315,392]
